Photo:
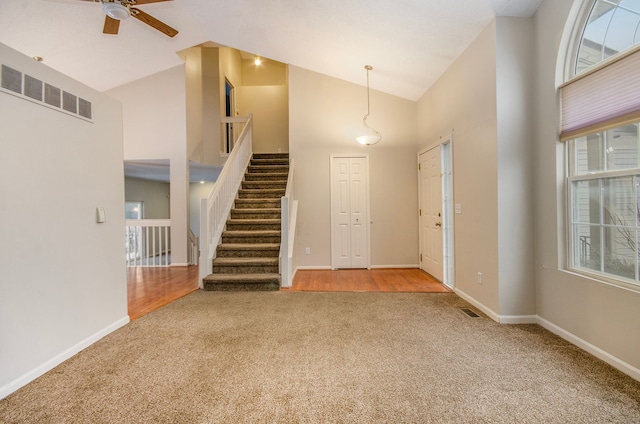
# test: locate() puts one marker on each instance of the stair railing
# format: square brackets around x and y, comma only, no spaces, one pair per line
[194,246]
[289,213]
[215,209]
[148,242]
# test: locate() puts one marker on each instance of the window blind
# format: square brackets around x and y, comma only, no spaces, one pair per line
[604,98]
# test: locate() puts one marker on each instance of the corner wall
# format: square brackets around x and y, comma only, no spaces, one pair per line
[63,282]
[155,127]
[463,101]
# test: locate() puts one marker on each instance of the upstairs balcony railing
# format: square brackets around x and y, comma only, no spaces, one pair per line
[148,242]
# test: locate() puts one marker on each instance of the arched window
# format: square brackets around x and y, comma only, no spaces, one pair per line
[600,122]
[613,26]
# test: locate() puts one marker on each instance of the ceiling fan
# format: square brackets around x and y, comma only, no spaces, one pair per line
[117,10]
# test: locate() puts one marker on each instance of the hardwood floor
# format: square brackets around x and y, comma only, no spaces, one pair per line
[408,280]
[151,288]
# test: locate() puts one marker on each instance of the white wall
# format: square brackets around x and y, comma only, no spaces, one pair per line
[197,192]
[63,280]
[463,101]
[598,316]
[325,116]
[154,111]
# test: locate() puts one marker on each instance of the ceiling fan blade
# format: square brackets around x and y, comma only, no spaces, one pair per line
[136,2]
[153,22]
[110,25]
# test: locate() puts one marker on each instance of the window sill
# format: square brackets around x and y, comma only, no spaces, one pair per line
[604,279]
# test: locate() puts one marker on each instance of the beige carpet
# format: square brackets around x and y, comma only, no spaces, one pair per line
[286,357]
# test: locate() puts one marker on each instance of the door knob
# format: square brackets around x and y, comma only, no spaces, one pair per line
[438,224]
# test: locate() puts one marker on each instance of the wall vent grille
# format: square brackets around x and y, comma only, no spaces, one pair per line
[14,82]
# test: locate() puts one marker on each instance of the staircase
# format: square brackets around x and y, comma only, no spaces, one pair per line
[247,259]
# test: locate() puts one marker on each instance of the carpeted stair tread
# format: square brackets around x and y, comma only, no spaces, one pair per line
[267,203]
[245,261]
[247,246]
[255,213]
[266,176]
[242,282]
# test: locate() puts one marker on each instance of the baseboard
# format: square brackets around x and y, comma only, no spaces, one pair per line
[490,313]
[178,264]
[303,268]
[411,266]
[615,362]
[58,359]
[518,319]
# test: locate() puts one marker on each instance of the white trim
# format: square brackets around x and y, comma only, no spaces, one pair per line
[368,220]
[27,378]
[302,268]
[399,266]
[617,363]
[179,264]
[518,319]
[490,313]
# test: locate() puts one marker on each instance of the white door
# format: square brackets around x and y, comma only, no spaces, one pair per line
[349,213]
[431,212]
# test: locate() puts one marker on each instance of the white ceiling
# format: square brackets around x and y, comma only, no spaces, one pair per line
[409,43]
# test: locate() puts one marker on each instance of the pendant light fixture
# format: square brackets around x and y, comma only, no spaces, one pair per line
[372,136]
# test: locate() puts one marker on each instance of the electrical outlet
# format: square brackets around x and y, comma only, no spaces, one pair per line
[307,250]
[479,278]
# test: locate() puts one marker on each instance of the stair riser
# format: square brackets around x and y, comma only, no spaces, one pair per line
[257,203]
[239,214]
[253,185]
[244,269]
[271,156]
[267,168]
[253,227]
[269,162]
[250,239]
[248,253]
[259,194]
[276,176]
[267,286]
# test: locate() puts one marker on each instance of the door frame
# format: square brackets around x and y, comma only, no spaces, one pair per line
[367,206]
[448,207]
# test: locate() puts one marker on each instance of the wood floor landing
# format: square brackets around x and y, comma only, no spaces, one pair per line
[151,288]
[406,280]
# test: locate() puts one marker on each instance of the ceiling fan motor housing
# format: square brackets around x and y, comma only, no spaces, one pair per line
[116,10]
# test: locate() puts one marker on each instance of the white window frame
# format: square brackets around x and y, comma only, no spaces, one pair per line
[570,168]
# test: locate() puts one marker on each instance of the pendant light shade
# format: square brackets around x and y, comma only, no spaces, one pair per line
[372,136]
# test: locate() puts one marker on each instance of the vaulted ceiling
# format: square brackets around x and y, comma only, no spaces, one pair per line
[409,43]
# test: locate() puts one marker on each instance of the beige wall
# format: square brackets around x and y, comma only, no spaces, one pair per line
[153,194]
[598,316]
[463,101]
[270,108]
[514,90]
[325,117]
[55,170]
[155,127]
[265,94]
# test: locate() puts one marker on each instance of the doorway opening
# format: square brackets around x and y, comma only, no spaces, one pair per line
[436,213]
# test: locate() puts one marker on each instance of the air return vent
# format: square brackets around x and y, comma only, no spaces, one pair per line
[469,312]
[15,82]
